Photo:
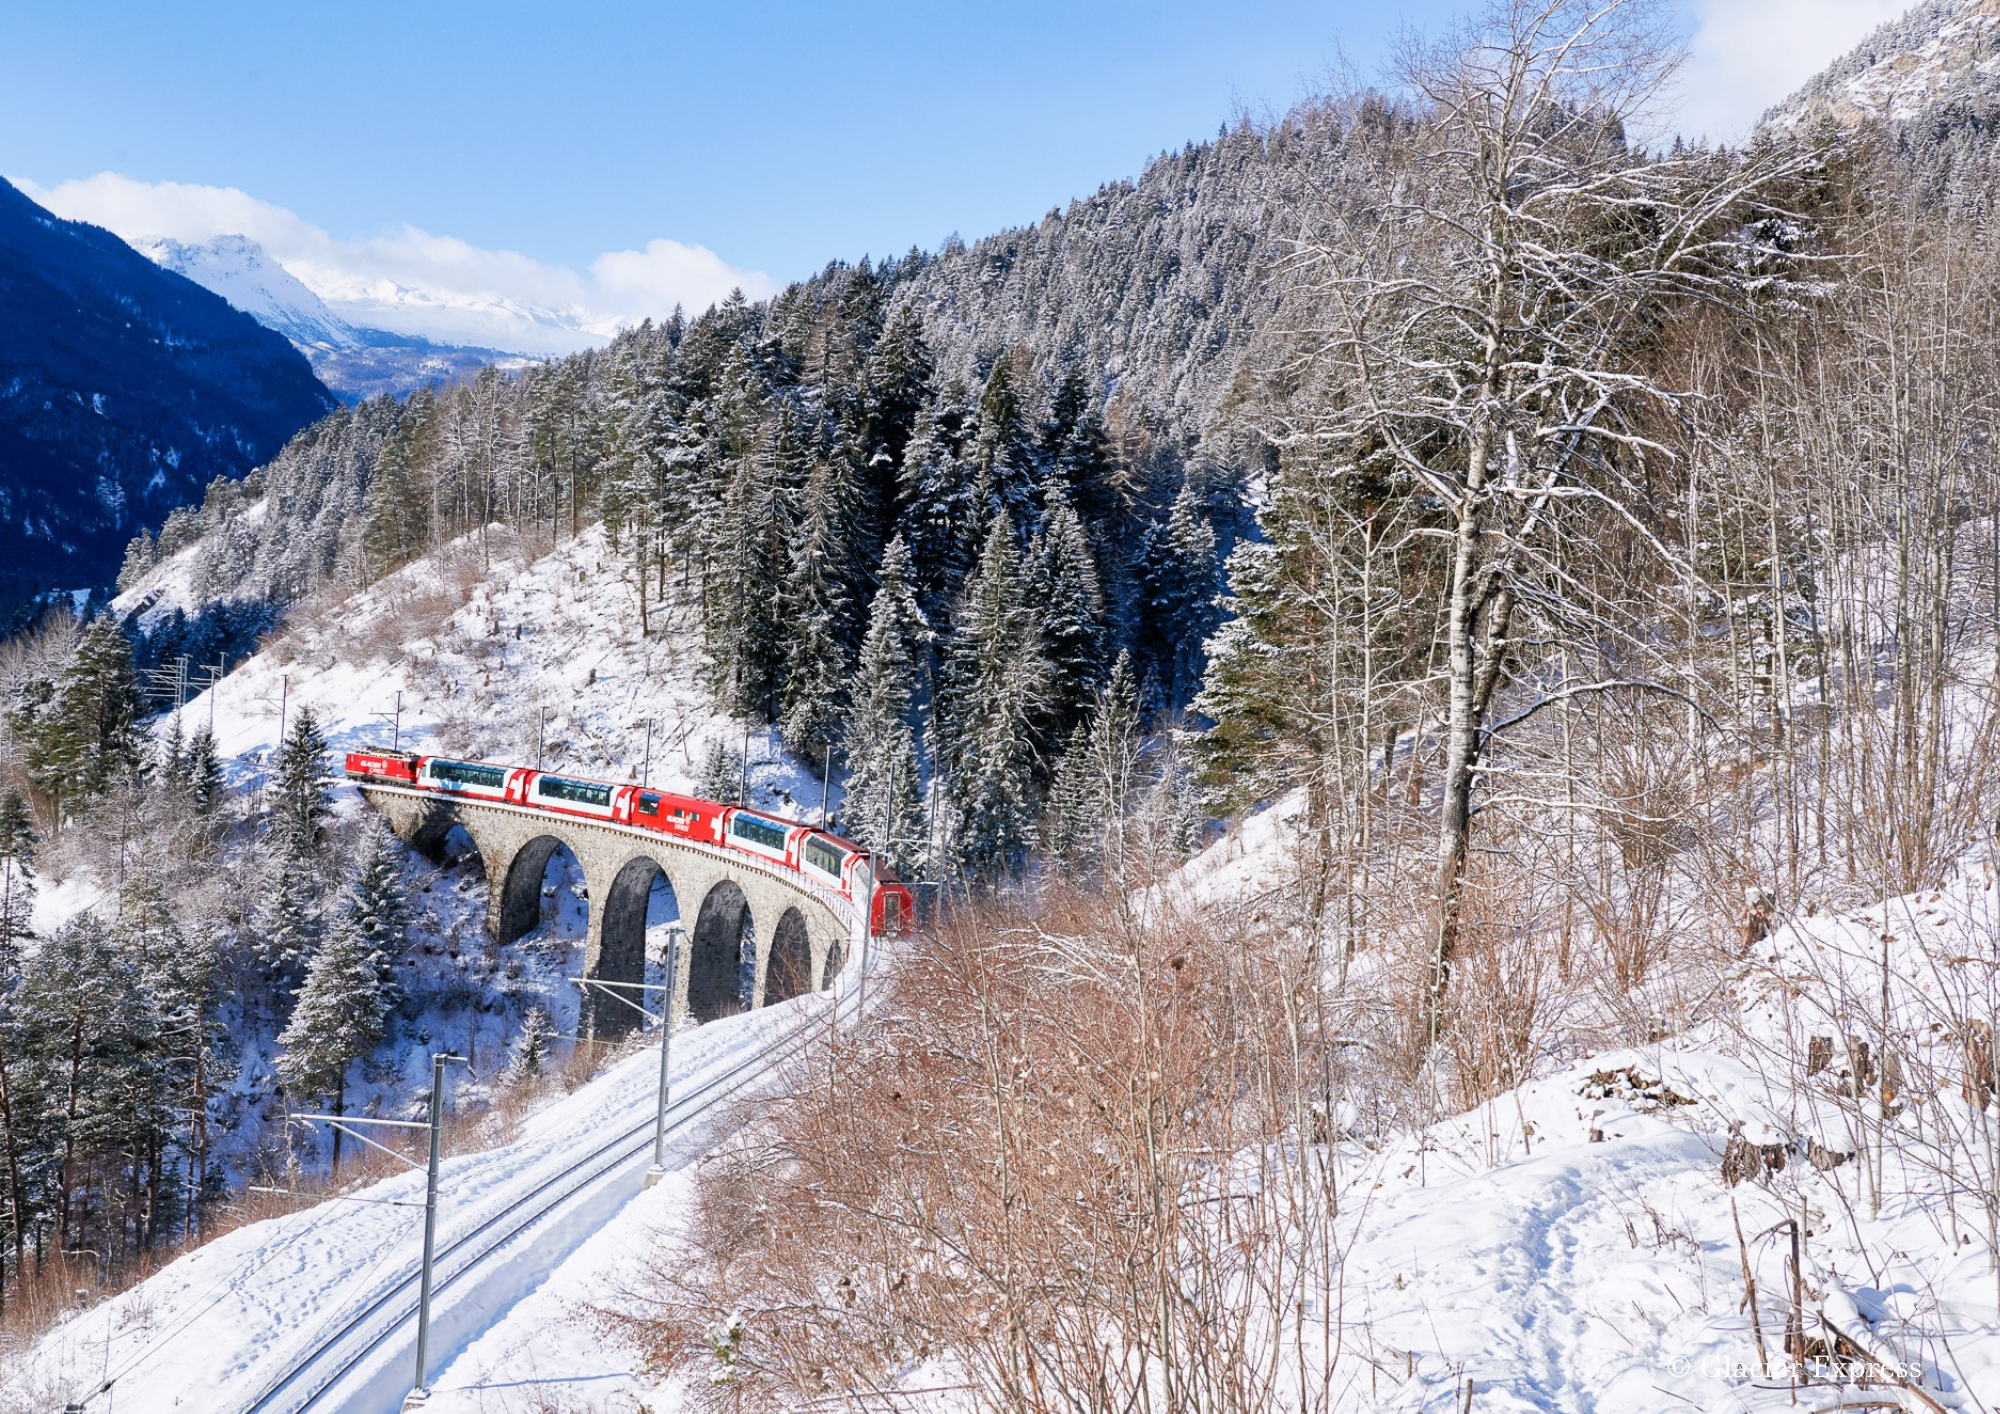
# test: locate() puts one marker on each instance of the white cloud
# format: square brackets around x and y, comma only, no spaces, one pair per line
[1748,54]
[413,282]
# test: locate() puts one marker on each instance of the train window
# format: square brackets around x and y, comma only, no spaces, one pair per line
[649,804]
[582,792]
[470,773]
[761,832]
[825,857]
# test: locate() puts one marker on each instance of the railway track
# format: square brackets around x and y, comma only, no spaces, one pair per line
[310,1374]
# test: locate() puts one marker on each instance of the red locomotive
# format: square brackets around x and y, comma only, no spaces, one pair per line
[824,859]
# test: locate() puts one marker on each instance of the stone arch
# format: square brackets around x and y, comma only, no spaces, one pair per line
[836,954]
[722,930]
[788,973]
[619,957]
[521,892]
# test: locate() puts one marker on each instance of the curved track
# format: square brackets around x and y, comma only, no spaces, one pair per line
[309,1375]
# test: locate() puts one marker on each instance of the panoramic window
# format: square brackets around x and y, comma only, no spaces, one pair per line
[470,773]
[581,792]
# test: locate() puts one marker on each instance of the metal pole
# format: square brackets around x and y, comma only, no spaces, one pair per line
[825,783]
[867,933]
[659,1168]
[541,734]
[396,737]
[421,1390]
[743,790]
[284,701]
[646,771]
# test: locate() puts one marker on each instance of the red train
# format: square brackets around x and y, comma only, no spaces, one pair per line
[824,859]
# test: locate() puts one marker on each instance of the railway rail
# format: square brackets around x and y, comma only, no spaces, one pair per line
[309,1375]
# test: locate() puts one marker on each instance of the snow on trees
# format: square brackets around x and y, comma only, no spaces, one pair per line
[338,1018]
[995,688]
[884,807]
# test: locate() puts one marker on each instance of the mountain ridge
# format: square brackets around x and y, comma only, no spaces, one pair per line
[124,390]
[355,362]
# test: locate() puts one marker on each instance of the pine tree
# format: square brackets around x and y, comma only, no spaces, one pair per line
[898,391]
[377,905]
[202,772]
[93,1093]
[747,562]
[85,737]
[1003,455]
[1071,606]
[1181,589]
[884,807]
[721,777]
[173,771]
[393,528]
[300,800]
[993,701]
[935,517]
[818,607]
[17,883]
[528,1057]
[195,1048]
[286,921]
[1084,824]
[1078,456]
[338,1019]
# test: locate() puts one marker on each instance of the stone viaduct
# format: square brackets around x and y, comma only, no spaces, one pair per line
[798,934]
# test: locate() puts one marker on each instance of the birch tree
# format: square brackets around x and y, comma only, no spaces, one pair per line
[1482,292]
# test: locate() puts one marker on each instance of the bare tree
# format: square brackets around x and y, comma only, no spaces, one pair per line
[1483,308]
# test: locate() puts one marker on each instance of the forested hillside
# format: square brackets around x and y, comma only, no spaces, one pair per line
[1036,421]
[124,390]
[1566,574]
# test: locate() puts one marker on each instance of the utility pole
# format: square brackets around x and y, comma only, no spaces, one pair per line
[214,672]
[646,771]
[826,783]
[420,1392]
[659,1169]
[743,790]
[284,702]
[865,926]
[541,734]
[396,732]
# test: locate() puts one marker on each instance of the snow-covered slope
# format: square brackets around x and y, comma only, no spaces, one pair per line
[237,268]
[501,649]
[1942,51]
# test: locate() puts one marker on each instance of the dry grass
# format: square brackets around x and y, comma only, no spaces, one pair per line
[1056,1162]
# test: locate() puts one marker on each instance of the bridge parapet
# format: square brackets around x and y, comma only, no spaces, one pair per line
[800,934]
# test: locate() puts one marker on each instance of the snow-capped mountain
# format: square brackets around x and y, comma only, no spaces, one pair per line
[238,269]
[1942,52]
[355,361]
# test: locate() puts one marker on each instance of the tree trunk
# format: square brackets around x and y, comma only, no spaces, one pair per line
[339,1108]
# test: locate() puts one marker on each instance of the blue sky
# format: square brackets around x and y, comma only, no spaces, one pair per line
[770,136]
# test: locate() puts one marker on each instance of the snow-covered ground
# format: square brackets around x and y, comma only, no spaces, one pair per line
[214,1328]
[1570,1245]
[496,652]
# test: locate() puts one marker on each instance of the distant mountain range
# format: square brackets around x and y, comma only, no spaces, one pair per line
[356,363]
[124,390]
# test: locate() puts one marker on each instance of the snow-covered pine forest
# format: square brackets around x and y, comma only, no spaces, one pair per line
[1440,664]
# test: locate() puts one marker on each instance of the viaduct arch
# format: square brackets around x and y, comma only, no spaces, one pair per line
[758,935]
